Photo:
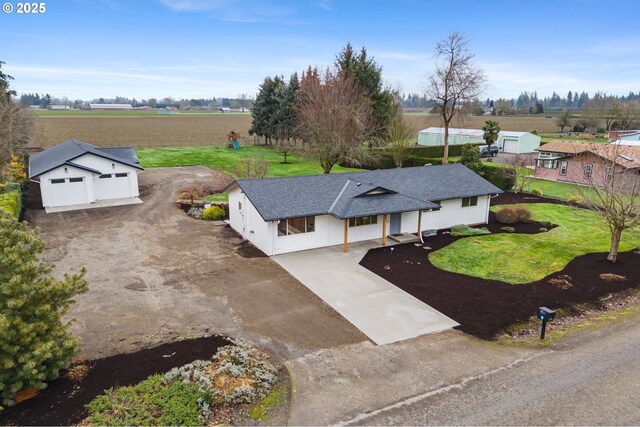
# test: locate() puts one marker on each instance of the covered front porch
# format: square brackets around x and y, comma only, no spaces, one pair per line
[392,229]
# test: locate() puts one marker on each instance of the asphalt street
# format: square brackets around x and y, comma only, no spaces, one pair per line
[593,380]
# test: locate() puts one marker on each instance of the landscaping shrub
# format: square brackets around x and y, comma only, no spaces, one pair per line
[471,159]
[574,198]
[213,213]
[195,212]
[466,231]
[151,403]
[11,200]
[547,224]
[508,229]
[508,215]
[536,191]
[522,214]
[543,230]
[238,373]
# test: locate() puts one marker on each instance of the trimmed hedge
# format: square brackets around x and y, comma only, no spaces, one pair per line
[11,201]
[437,151]
[498,177]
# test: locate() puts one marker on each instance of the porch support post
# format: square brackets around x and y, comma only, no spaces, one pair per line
[346,235]
[419,222]
[384,230]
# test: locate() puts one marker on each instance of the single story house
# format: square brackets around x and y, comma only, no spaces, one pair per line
[508,142]
[78,173]
[280,215]
[584,162]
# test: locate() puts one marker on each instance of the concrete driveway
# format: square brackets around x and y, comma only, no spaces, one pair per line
[383,312]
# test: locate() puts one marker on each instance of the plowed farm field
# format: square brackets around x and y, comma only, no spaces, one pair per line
[144,131]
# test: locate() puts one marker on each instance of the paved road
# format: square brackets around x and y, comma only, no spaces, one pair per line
[593,381]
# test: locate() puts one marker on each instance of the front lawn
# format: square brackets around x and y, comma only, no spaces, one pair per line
[226,159]
[559,190]
[522,258]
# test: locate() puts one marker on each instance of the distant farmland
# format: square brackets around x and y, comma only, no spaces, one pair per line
[124,129]
[153,129]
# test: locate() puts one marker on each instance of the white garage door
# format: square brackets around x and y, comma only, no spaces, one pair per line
[113,186]
[510,146]
[68,191]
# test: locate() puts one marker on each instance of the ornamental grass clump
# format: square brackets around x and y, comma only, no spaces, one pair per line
[508,215]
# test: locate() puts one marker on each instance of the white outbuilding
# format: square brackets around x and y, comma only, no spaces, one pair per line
[77,174]
[508,141]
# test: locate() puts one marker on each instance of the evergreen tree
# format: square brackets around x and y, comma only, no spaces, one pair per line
[471,158]
[34,342]
[368,75]
[4,84]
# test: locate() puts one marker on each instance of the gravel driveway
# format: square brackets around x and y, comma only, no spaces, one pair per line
[156,274]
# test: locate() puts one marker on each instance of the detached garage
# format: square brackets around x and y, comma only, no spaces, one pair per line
[508,142]
[78,174]
[518,142]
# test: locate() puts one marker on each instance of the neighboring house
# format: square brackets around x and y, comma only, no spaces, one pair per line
[280,215]
[508,142]
[77,173]
[584,162]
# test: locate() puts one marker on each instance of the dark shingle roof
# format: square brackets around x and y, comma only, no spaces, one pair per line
[67,151]
[353,194]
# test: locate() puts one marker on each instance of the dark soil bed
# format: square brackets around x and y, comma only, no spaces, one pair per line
[485,308]
[509,198]
[62,402]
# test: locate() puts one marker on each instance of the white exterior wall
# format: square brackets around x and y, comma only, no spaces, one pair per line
[48,200]
[435,139]
[110,166]
[452,213]
[245,219]
[527,143]
[91,179]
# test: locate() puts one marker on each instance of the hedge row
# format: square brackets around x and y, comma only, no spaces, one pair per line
[11,201]
[437,150]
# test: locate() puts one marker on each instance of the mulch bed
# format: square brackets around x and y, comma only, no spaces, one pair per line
[509,198]
[484,308]
[62,402]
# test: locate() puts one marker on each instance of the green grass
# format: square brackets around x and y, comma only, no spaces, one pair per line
[225,159]
[560,190]
[219,197]
[524,258]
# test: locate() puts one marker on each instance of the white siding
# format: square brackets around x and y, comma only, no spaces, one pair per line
[53,197]
[452,213]
[329,231]
[127,187]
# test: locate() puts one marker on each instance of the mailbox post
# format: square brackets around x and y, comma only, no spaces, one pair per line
[546,315]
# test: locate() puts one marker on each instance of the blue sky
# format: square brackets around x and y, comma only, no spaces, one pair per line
[204,48]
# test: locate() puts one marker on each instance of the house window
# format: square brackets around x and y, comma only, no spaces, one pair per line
[57,181]
[469,201]
[105,175]
[363,220]
[75,179]
[563,167]
[288,227]
[121,175]
[609,174]
[588,169]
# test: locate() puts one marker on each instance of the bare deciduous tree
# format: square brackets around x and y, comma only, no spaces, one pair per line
[252,167]
[455,81]
[335,119]
[613,190]
[16,129]
[400,139]
[519,169]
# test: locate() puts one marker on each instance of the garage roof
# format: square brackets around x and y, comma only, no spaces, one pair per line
[354,194]
[69,150]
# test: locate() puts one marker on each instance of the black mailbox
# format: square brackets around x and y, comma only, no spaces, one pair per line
[545,314]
